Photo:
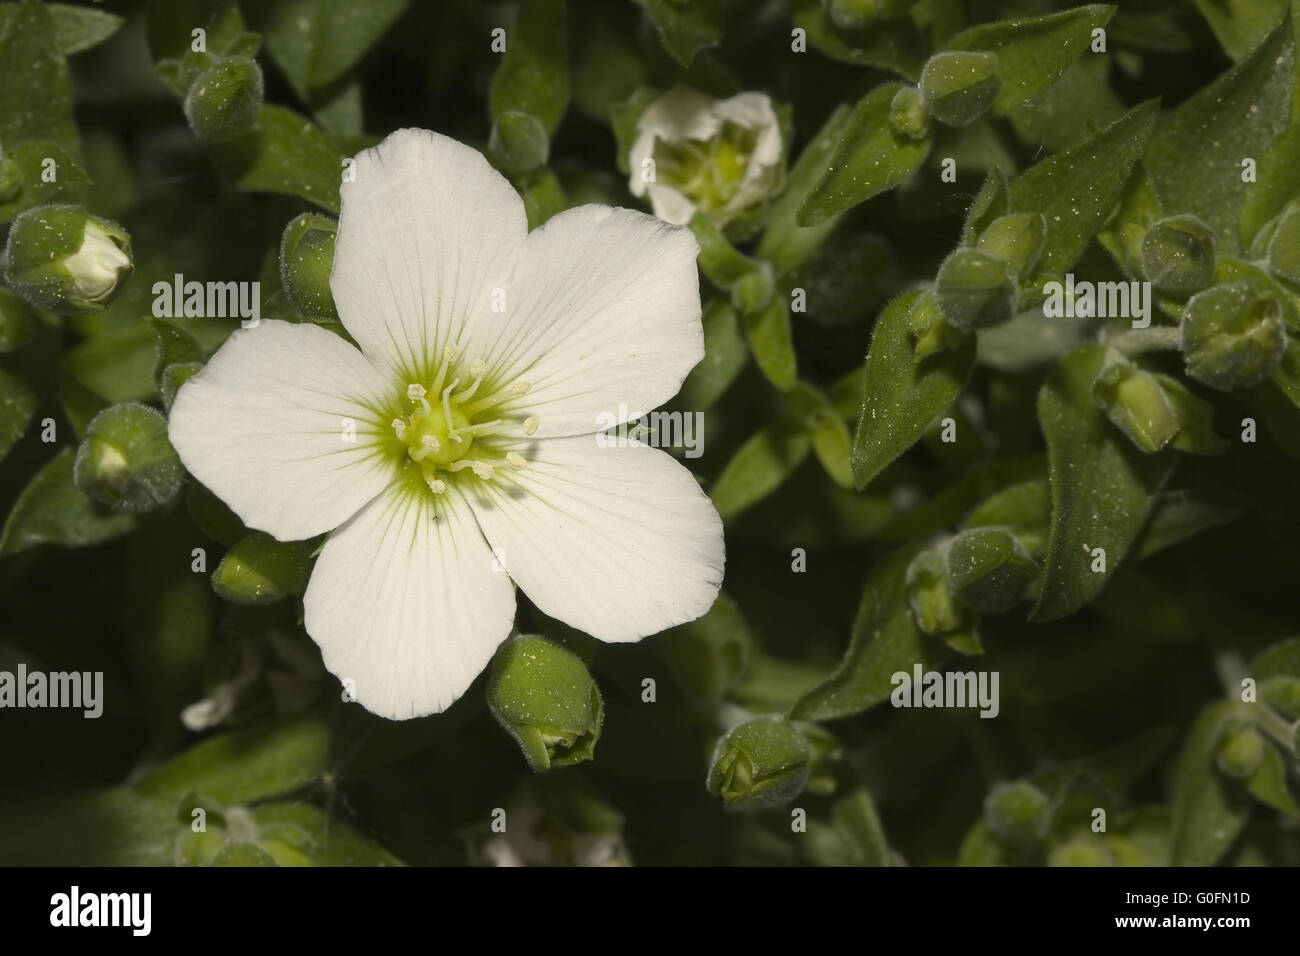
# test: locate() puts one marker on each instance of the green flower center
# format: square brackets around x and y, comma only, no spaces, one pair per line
[710,172]
[448,424]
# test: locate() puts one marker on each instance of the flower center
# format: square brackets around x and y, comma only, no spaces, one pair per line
[711,172]
[448,426]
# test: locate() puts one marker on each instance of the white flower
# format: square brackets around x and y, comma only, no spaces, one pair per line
[460,438]
[722,157]
[97,265]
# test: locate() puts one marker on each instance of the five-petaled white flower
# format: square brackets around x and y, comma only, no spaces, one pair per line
[461,435]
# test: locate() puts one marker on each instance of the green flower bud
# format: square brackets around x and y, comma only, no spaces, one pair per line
[907,115]
[753,291]
[958,86]
[1017,240]
[933,332]
[544,697]
[225,99]
[17,323]
[762,763]
[306,260]
[1136,403]
[1233,336]
[1081,851]
[931,600]
[1282,693]
[1178,255]
[1017,812]
[261,570]
[126,462]
[519,141]
[63,259]
[975,290]
[1284,245]
[989,569]
[1240,754]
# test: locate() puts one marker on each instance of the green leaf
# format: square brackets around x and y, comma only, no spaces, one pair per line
[1277,182]
[1034,51]
[26,376]
[771,341]
[1184,513]
[685,28]
[1076,190]
[533,77]
[175,344]
[903,396]
[1281,659]
[1195,160]
[328,840]
[871,157]
[761,465]
[1240,24]
[1268,783]
[785,243]
[710,654]
[247,765]
[1103,487]
[1209,810]
[855,836]
[35,93]
[316,41]
[892,44]
[725,354]
[80,28]
[53,510]
[885,641]
[829,434]
[31,160]
[286,153]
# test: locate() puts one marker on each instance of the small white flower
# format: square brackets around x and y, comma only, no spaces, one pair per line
[722,157]
[473,426]
[97,265]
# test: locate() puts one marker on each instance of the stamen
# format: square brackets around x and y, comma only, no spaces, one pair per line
[399,426]
[416,393]
[483,470]
[449,353]
[446,409]
[516,460]
[436,485]
[476,369]
[521,387]
[484,428]
[428,445]
[530,424]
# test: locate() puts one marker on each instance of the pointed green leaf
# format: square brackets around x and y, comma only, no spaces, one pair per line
[761,465]
[1076,190]
[1209,809]
[53,510]
[903,396]
[1103,487]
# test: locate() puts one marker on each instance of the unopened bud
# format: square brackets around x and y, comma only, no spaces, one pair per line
[989,569]
[1178,255]
[261,570]
[764,762]
[928,594]
[1017,240]
[907,115]
[61,258]
[1240,753]
[975,290]
[958,86]
[1017,812]
[1136,403]
[126,462]
[1233,336]
[544,697]
[306,260]
[1284,245]
[225,99]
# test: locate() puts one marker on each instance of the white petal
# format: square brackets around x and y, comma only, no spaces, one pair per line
[426,231]
[405,604]
[681,113]
[670,205]
[603,310]
[618,542]
[265,426]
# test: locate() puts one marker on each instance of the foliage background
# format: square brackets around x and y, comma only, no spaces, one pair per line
[1116,690]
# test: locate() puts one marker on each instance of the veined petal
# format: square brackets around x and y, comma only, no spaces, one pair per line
[618,542]
[404,602]
[602,317]
[427,229]
[282,425]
